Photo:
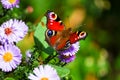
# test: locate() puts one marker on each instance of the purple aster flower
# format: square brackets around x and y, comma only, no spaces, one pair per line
[28,55]
[70,51]
[66,59]
[13,31]
[44,72]
[9,4]
[10,57]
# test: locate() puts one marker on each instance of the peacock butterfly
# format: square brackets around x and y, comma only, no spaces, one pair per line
[58,36]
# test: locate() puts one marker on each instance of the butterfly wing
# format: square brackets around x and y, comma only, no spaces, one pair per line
[54,22]
[57,39]
[76,36]
[55,29]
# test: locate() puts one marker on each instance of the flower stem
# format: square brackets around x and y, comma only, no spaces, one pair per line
[49,58]
[63,64]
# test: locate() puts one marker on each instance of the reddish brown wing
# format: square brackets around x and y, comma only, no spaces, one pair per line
[54,22]
[54,31]
[57,39]
[74,37]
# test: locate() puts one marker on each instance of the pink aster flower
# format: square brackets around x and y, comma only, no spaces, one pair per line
[44,72]
[71,50]
[13,31]
[10,57]
[9,4]
[67,59]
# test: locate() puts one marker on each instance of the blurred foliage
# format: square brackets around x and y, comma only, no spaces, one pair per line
[98,57]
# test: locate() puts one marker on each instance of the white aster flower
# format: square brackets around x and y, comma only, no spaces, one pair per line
[9,4]
[10,57]
[44,72]
[13,31]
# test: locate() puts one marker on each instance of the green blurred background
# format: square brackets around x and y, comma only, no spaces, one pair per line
[99,55]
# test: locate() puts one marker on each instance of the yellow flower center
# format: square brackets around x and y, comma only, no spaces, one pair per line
[7,57]
[8,31]
[44,78]
[12,1]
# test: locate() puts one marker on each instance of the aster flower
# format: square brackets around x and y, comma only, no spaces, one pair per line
[28,55]
[66,59]
[70,51]
[13,31]
[9,4]
[44,72]
[10,57]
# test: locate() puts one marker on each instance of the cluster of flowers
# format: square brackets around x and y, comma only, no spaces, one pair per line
[41,72]
[13,31]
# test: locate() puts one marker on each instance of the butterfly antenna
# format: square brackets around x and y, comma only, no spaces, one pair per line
[82,25]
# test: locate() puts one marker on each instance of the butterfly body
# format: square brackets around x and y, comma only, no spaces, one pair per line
[57,36]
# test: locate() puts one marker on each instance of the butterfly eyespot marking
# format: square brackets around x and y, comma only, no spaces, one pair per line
[67,45]
[53,16]
[82,35]
[50,33]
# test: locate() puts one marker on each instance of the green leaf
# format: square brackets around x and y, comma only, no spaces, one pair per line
[9,78]
[39,34]
[39,37]
[35,63]
[62,71]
